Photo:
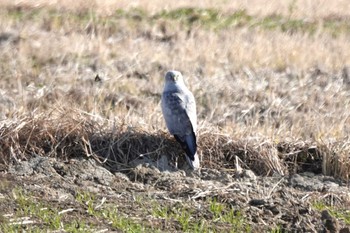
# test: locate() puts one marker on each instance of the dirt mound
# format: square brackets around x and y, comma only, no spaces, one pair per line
[279,202]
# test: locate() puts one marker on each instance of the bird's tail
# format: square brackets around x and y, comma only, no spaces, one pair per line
[194,164]
[189,145]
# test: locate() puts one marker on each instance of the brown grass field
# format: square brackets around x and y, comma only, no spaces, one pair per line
[271,80]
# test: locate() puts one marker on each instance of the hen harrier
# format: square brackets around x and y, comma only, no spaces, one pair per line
[179,111]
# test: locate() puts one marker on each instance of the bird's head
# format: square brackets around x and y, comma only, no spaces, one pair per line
[174,76]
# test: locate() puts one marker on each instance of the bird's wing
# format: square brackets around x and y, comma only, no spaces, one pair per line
[176,114]
[191,110]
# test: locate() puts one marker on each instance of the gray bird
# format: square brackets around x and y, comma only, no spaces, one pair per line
[179,111]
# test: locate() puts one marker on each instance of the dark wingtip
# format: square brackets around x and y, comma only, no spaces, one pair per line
[186,148]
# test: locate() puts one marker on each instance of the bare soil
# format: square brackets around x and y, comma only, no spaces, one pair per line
[275,202]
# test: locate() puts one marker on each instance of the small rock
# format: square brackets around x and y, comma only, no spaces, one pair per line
[328,185]
[306,183]
[303,211]
[21,169]
[257,202]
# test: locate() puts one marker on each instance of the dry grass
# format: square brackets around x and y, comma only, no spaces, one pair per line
[295,8]
[277,100]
